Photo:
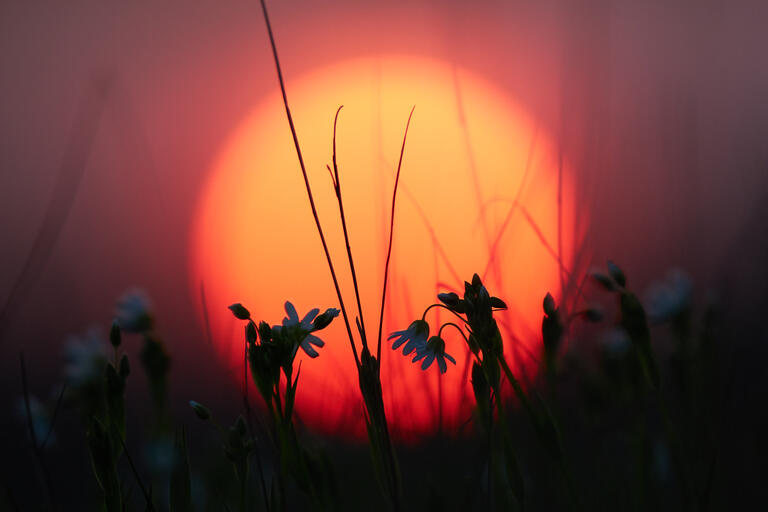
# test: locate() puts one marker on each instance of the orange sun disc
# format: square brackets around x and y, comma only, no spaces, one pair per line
[479,179]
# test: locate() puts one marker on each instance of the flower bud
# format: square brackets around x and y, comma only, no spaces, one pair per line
[324,320]
[617,274]
[250,332]
[114,334]
[239,311]
[201,411]
[549,305]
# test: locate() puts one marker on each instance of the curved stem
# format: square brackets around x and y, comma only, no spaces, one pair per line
[337,188]
[424,316]
[391,231]
[451,324]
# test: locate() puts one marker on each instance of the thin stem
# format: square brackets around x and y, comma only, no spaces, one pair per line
[147,497]
[560,219]
[55,415]
[391,231]
[451,324]
[424,316]
[337,187]
[306,179]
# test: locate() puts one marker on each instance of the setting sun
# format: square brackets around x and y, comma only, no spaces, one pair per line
[472,157]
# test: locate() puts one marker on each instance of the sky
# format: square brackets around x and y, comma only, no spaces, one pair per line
[659,107]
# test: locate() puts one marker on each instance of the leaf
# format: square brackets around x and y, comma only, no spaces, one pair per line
[181,488]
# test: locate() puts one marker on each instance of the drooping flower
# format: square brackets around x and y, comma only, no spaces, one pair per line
[414,337]
[434,350]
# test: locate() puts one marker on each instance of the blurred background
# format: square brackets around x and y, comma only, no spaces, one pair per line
[660,108]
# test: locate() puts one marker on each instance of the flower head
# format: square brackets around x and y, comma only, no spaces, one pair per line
[85,359]
[133,311]
[301,330]
[434,350]
[666,299]
[414,337]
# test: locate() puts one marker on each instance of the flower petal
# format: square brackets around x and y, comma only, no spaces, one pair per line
[306,322]
[450,358]
[314,340]
[430,357]
[441,364]
[308,349]
[293,317]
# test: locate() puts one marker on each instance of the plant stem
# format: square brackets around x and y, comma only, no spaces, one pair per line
[337,188]
[391,231]
[306,180]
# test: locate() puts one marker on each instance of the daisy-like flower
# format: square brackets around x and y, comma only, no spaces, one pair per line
[434,350]
[306,326]
[85,359]
[133,311]
[414,337]
[666,299]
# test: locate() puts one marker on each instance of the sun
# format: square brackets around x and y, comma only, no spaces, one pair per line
[479,179]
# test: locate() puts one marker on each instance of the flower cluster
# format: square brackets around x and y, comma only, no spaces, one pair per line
[475,310]
[271,349]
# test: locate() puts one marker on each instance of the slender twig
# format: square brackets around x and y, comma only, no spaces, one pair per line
[424,316]
[518,193]
[206,317]
[560,219]
[428,226]
[68,181]
[337,188]
[147,495]
[55,415]
[306,180]
[391,232]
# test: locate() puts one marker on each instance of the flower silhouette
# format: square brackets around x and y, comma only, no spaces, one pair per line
[434,350]
[414,337]
[304,327]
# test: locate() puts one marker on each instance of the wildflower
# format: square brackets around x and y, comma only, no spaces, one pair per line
[414,337]
[434,350]
[305,328]
[667,299]
[159,454]
[85,359]
[133,312]
[616,342]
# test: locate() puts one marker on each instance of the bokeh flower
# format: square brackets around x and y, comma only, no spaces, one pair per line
[134,311]
[85,359]
[668,298]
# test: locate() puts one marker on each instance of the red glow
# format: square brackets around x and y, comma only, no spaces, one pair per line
[254,240]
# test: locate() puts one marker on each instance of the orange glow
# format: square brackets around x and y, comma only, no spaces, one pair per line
[254,240]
